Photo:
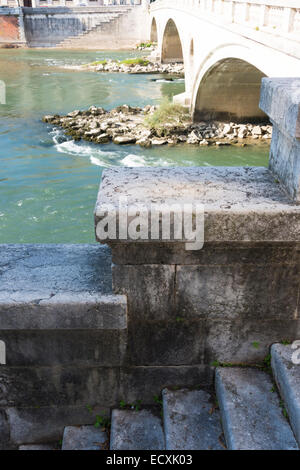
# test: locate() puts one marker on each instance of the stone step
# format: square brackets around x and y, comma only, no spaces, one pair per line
[287,375]
[45,287]
[84,438]
[38,447]
[251,413]
[191,421]
[104,20]
[95,29]
[136,430]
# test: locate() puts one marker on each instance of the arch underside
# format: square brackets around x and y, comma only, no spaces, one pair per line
[171,46]
[153,33]
[230,91]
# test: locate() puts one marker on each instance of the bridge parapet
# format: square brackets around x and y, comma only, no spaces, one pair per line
[277,17]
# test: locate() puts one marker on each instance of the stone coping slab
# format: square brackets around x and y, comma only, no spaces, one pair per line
[242,204]
[58,287]
[53,268]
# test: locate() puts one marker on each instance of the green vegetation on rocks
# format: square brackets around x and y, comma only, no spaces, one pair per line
[98,62]
[136,61]
[167,114]
[146,45]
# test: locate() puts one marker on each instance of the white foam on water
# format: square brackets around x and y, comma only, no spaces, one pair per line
[97,162]
[162,80]
[132,160]
[102,158]
[96,156]
[58,136]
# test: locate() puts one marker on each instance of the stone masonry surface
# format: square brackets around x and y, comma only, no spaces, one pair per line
[241,203]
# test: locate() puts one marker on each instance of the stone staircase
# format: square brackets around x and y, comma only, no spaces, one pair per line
[92,35]
[247,413]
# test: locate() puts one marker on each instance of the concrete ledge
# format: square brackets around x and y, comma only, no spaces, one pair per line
[242,204]
[69,310]
[58,287]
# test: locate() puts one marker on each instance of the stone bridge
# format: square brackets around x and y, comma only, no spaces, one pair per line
[227,46]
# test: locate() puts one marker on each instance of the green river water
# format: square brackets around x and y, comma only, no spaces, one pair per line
[48,185]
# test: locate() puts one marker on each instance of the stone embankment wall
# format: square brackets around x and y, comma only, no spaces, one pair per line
[110,27]
[11,27]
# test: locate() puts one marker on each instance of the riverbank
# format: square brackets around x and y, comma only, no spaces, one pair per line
[149,126]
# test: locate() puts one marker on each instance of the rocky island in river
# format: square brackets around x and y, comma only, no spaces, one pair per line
[132,66]
[168,124]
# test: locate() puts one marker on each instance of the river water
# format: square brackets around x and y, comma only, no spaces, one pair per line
[48,186]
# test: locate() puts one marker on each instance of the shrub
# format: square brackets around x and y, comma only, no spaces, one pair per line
[167,113]
[146,44]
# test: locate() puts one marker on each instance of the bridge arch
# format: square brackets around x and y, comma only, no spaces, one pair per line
[153,32]
[227,87]
[172,49]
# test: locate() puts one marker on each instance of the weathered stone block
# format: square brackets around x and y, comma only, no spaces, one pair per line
[250,409]
[58,386]
[176,342]
[242,204]
[287,376]
[210,254]
[233,291]
[143,383]
[246,340]
[191,421]
[58,287]
[280,99]
[65,311]
[136,430]
[42,425]
[149,290]
[84,438]
[4,430]
[60,348]
[37,268]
